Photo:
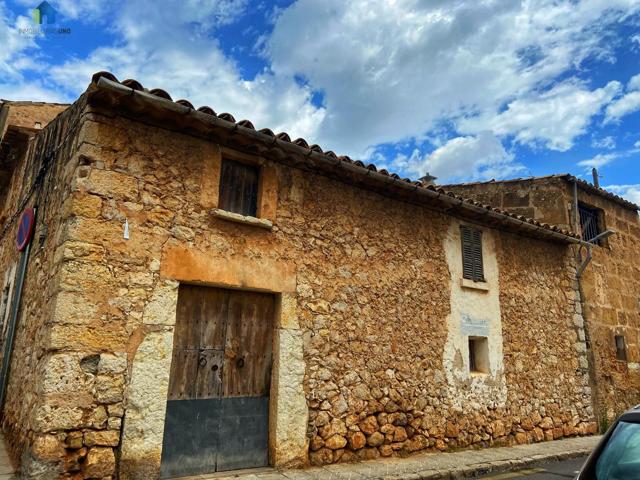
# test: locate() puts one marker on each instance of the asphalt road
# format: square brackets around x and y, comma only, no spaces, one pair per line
[564,470]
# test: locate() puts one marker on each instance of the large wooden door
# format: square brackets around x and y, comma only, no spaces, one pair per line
[217,408]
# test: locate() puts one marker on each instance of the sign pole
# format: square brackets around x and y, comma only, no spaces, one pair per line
[15,308]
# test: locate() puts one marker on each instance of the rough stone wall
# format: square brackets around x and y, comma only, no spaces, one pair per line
[365,277]
[544,343]
[610,287]
[611,292]
[544,200]
[41,180]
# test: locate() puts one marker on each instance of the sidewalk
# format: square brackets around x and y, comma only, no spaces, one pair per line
[6,470]
[458,465]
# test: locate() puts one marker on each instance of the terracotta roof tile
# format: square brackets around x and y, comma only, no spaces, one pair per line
[267,131]
[158,92]
[228,117]
[207,110]
[131,83]
[246,124]
[185,103]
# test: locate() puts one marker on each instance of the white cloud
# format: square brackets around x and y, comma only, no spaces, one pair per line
[19,55]
[599,160]
[629,103]
[630,192]
[554,117]
[171,48]
[634,83]
[606,142]
[471,157]
[625,105]
[391,70]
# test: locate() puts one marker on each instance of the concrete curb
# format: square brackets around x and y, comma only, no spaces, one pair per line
[501,466]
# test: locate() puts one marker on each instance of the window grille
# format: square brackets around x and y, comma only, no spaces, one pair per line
[590,223]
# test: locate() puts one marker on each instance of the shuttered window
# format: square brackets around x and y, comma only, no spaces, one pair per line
[472,268]
[239,187]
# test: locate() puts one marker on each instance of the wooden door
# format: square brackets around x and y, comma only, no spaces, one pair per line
[218,401]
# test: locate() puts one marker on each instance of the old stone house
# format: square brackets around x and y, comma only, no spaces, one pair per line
[610,284]
[198,295]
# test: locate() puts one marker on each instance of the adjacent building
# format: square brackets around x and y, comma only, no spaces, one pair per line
[198,295]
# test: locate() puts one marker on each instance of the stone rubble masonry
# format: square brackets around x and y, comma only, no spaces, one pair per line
[364,293]
[607,296]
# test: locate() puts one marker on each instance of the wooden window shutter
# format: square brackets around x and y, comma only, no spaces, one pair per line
[472,266]
[239,184]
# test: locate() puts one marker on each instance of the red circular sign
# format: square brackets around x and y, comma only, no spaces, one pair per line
[25,229]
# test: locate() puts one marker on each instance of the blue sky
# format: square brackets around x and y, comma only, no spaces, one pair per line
[467,90]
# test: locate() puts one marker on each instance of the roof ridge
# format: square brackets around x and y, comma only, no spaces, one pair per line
[566,176]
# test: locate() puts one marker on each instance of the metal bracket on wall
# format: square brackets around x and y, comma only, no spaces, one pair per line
[589,245]
[585,262]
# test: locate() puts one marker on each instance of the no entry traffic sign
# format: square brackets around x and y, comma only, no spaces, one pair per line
[25,229]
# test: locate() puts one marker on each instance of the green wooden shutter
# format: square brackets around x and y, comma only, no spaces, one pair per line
[472,266]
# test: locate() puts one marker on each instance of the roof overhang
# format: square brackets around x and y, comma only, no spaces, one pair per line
[157,109]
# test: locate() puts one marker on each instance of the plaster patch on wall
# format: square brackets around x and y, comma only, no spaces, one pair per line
[146,402]
[474,313]
[289,413]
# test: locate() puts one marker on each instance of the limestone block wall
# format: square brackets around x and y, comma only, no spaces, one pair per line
[364,285]
[40,179]
[31,115]
[611,294]
[544,199]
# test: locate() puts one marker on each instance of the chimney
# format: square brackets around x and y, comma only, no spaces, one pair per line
[596,177]
[428,179]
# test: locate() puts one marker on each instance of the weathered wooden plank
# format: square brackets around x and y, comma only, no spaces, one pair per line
[199,334]
[184,368]
[239,187]
[208,381]
[248,346]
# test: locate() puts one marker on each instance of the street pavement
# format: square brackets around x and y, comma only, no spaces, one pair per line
[432,466]
[566,469]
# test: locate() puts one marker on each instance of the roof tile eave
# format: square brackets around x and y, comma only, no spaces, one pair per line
[370,169]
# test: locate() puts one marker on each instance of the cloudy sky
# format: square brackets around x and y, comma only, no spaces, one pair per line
[465,89]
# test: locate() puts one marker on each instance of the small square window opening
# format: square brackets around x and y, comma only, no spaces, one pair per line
[239,183]
[478,355]
[621,348]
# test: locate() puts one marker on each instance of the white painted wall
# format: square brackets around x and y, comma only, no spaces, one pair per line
[475,312]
